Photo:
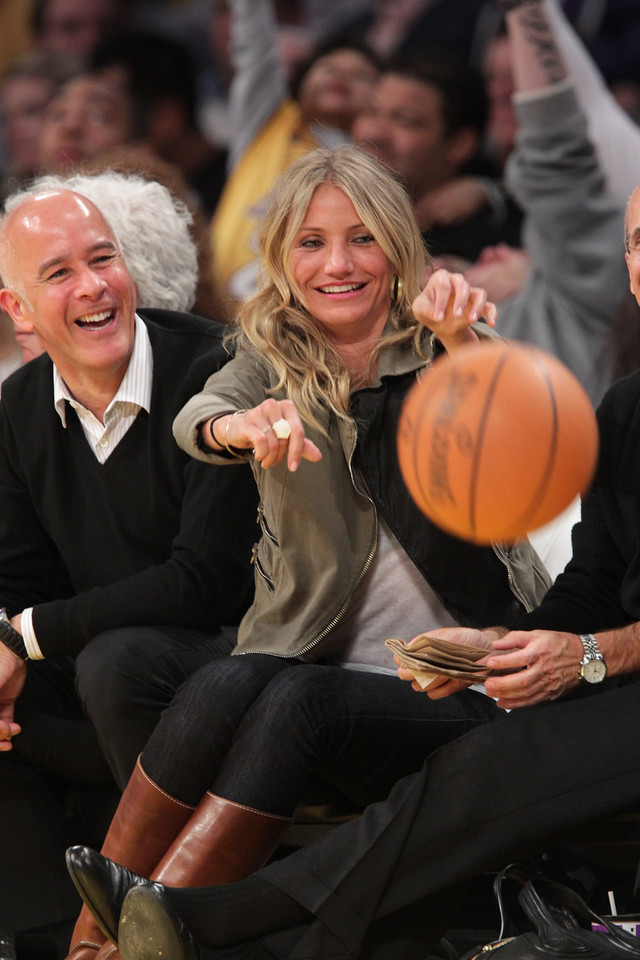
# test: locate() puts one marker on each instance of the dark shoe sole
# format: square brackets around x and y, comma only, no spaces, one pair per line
[109,929]
[149,930]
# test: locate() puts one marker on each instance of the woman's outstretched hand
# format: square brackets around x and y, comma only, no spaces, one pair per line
[273,430]
[448,305]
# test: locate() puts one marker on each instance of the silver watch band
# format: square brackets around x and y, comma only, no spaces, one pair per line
[591,649]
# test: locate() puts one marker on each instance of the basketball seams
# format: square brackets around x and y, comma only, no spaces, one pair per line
[528,516]
[477,453]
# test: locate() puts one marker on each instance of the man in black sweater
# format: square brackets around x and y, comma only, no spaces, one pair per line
[121,558]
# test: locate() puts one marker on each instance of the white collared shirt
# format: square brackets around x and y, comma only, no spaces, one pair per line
[133,395]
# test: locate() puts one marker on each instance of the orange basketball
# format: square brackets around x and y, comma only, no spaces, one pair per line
[496,440]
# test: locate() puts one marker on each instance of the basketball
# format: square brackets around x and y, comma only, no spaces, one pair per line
[496,440]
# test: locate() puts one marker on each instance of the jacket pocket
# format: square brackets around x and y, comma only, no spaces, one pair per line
[264,526]
[259,568]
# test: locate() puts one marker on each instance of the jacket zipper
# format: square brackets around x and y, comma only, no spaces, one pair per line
[262,572]
[502,556]
[340,614]
[264,526]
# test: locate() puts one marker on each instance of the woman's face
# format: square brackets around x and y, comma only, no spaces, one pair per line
[337,87]
[340,269]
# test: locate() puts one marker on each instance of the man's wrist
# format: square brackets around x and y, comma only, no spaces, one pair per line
[11,638]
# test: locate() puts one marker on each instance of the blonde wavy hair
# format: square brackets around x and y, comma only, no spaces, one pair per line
[274,320]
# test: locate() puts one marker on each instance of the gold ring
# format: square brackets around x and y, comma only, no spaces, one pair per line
[268,429]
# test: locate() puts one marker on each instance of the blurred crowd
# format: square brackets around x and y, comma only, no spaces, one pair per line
[216,97]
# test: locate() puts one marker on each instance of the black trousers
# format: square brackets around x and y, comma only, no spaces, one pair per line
[503,791]
[83,726]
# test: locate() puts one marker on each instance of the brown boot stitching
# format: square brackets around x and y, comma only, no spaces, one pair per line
[111,953]
[164,793]
[243,806]
[85,945]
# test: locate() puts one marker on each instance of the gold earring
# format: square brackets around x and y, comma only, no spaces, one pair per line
[397,289]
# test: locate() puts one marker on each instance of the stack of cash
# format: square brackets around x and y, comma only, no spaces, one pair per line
[430,657]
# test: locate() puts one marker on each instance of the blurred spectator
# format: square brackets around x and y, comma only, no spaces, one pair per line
[25,91]
[498,75]
[614,134]
[501,270]
[426,120]
[15,31]
[91,125]
[273,126]
[157,75]
[75,27]
[573,218]
[87,116]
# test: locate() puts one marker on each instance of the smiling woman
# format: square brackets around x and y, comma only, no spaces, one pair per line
[341,273]
[326,352]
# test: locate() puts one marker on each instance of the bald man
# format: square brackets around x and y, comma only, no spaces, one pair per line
[121,558]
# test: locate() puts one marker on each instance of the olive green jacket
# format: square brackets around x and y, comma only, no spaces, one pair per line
[319,525]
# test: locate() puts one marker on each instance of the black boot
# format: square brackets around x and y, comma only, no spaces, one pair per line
[102,884]
[150,930]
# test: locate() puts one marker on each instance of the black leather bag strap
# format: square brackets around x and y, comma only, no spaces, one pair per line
[556,910]
[516,872]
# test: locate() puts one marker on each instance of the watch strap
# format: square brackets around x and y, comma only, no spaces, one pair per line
[591,649]
[12,639]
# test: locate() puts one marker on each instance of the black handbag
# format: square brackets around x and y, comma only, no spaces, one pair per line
[562,922]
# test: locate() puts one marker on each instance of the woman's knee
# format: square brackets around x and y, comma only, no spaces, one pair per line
[303,696]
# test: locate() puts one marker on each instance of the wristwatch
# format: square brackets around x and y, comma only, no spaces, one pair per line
[10,637]
[592,669]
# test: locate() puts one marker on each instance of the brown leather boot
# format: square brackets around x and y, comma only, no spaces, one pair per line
[144,826]
[222,842]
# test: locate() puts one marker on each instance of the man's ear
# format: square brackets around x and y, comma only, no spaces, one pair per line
[14,306]
[627,259]
[462,146]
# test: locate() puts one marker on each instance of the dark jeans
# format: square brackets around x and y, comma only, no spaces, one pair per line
[259,730]
[121,681]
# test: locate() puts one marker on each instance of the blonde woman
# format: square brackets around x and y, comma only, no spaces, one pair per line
[326,352]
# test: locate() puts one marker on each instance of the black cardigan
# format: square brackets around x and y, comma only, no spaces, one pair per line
[600,587]
[149,537]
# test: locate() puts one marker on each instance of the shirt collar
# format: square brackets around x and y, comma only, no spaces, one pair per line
[136,383]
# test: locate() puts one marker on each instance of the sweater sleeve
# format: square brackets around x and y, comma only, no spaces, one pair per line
[615,135]
[31,569]
[206,581]
[258,86]
[240,385]
[573,231]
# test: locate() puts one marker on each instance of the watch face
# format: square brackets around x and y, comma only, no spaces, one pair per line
[594,671]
